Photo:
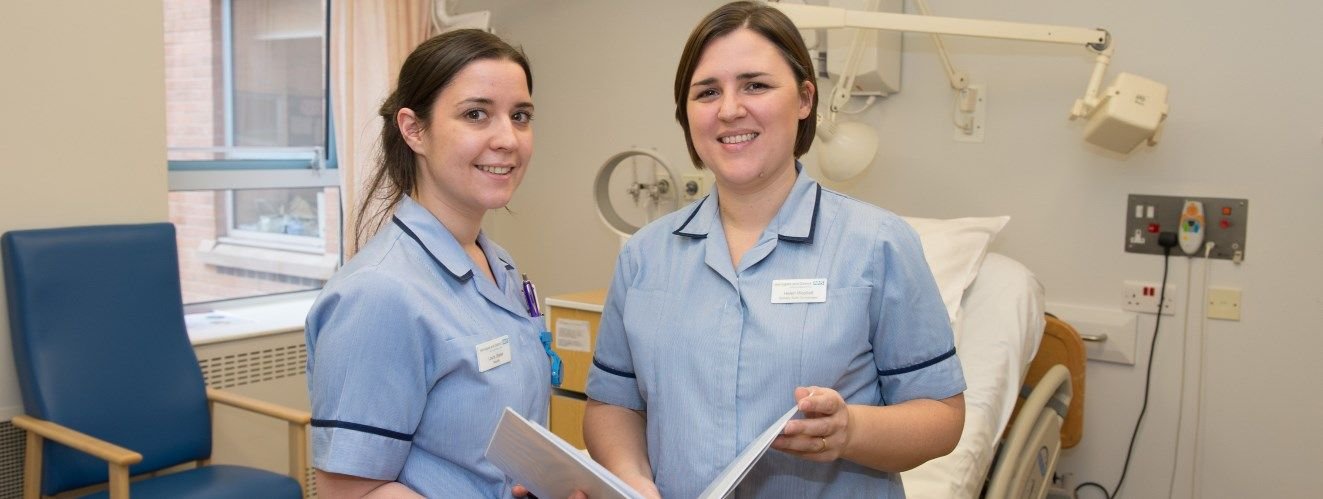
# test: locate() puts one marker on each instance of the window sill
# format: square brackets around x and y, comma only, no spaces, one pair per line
[249,317]
[292,263]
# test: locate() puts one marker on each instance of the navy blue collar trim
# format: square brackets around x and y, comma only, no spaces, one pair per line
[331,423]
[813,222]
[616,372]
[679,231]
[407,230]
[916,367]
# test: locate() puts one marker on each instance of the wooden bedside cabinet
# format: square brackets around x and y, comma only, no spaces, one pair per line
[573,320]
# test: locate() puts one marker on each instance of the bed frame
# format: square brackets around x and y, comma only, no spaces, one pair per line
[1048,417]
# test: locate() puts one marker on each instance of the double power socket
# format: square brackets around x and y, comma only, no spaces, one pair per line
[692,186]
[1223,303]
[1143,297]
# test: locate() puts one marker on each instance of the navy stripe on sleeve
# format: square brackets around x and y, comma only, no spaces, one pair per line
[331,423]
[916,367]
[603,367]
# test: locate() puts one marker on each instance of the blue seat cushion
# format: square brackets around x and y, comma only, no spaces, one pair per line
[214,482]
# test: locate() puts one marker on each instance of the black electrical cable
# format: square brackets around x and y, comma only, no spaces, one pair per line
[1167,240]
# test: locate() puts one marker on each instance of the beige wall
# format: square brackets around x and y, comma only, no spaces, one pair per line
[82,123]
[1245,123]
[82,141]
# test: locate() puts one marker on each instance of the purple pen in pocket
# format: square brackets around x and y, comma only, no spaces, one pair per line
[530,298]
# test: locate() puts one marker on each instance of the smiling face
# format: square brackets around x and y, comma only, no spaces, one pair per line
[744,105]
[473,154]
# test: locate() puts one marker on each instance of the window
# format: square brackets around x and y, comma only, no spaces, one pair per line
[254,192]
[280,218]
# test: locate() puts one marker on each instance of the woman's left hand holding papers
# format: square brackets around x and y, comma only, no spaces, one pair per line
[824,433]
[520,491]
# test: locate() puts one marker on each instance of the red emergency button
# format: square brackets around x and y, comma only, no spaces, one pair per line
[1224,223]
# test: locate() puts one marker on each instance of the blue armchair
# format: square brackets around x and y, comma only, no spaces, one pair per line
[110,383]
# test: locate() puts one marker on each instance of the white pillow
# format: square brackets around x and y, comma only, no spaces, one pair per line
[954,250]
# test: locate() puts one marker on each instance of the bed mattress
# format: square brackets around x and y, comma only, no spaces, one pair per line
[1000,326]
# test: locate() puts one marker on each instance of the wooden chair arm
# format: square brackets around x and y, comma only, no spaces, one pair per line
[258,406]
[102,449]
[298,428]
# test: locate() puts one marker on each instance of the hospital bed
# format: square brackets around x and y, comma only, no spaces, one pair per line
[999,331]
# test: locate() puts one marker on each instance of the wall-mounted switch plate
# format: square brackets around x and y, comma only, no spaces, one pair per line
[1224,303]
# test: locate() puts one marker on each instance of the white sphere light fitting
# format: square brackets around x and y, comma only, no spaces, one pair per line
[846,149]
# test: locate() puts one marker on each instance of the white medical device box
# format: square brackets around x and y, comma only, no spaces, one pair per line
[878,72]
[1129,113]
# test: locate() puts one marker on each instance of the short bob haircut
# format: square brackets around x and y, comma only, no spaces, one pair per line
[773,25]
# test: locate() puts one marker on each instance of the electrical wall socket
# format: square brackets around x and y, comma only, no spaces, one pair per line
[1143,297]
[693,186]
[664,189]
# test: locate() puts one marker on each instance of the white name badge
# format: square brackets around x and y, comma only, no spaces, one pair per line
[799,291]
[494,353]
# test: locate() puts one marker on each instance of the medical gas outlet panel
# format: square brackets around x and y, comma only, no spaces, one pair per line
[1195,220]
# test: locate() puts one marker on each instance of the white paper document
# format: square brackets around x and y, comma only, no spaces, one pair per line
[548,465]
[552,468]
[737,469]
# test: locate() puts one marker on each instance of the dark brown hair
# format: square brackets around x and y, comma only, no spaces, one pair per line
[425,73]
[773,25]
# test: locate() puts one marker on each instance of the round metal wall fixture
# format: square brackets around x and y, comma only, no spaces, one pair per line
[657,191]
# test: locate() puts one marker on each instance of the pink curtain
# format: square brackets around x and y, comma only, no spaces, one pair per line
[369,41]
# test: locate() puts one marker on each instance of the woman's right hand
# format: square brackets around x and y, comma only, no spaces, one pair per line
[520,491]
[615,438]
[643,485]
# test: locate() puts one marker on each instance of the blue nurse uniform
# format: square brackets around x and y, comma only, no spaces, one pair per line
[697,343]
[398,390]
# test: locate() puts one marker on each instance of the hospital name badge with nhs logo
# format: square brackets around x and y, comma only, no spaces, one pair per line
[799,290]
[493,353]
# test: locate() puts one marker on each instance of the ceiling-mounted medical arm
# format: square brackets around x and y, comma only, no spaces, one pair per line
[1085,106]
[1097,40]
[841,93]
[959,80]
[1130,111]
[819,17]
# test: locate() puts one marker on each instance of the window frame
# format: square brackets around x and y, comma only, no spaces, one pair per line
[264,168]
[282,167]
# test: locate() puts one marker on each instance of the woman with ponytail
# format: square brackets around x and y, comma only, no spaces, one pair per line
[419,342]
